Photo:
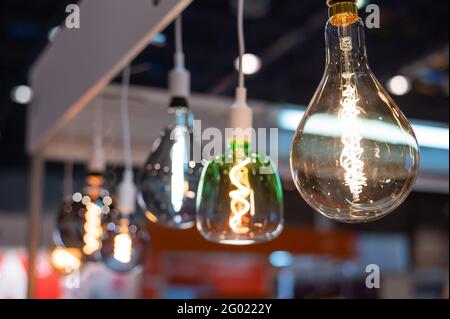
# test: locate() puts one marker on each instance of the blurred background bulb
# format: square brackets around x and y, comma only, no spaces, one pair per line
[66,260]
[170,178]
[251,64]
[240,199]
[353,175]
[125,243]
[79,222]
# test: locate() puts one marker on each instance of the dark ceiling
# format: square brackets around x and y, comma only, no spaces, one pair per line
[289,38]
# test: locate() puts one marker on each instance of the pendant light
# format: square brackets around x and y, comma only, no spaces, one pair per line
[66,260]
[125,243]
[240,199]
[79,221]
[169,178]
[354,174]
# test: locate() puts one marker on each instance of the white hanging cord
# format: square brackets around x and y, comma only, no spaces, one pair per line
[127,189]
[179,54]
[179,35]
[240,113]
[126,133]
[98,114]
[97,162]
[179,77]
[240,27]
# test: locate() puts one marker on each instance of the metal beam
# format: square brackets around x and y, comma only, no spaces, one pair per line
[81,62]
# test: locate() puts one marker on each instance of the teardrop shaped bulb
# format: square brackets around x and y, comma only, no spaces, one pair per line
[354,156]
[169,179]
[240,198]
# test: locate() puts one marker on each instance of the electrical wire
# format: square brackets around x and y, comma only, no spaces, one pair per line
[240,27]
[126,131]
[98,116]
[97,161]
[179,35]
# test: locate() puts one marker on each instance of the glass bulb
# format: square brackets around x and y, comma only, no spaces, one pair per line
[169,179]
[240,198]
[66,260]
[125,243]
[354,156]
[79,222]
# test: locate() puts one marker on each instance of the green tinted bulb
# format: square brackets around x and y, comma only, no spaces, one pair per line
[240,199]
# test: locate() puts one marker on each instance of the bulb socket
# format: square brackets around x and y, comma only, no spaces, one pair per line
[337,7]
[177,102]
[342,12]
[94,179]
[333,2]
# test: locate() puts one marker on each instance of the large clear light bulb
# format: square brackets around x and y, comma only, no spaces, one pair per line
[125,243]
[79,222]
[240,198]
[354,156]
[170,178]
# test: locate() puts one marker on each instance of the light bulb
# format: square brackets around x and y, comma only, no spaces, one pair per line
[351,173]
[79,222]
[169,179]
[66,260]
[125,243]
[240,199]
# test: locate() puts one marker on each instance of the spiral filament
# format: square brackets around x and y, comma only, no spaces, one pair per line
[350,158]
[242,199]
[123,246]
[92,229]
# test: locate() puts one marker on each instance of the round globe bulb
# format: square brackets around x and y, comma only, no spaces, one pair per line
[125,244]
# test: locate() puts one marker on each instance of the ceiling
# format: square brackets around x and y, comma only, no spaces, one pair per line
[413,39]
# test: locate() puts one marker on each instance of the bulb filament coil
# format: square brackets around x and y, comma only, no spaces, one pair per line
[352,152]
[123,247]
[92,229]
[242,199]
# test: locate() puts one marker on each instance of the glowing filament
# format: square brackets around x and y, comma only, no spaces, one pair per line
[178,160]
[123,247]
[240,204]
[92,229]
[352,152]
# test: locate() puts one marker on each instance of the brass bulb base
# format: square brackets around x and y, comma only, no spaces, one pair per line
[333,2]
[348,7]
[342,12]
